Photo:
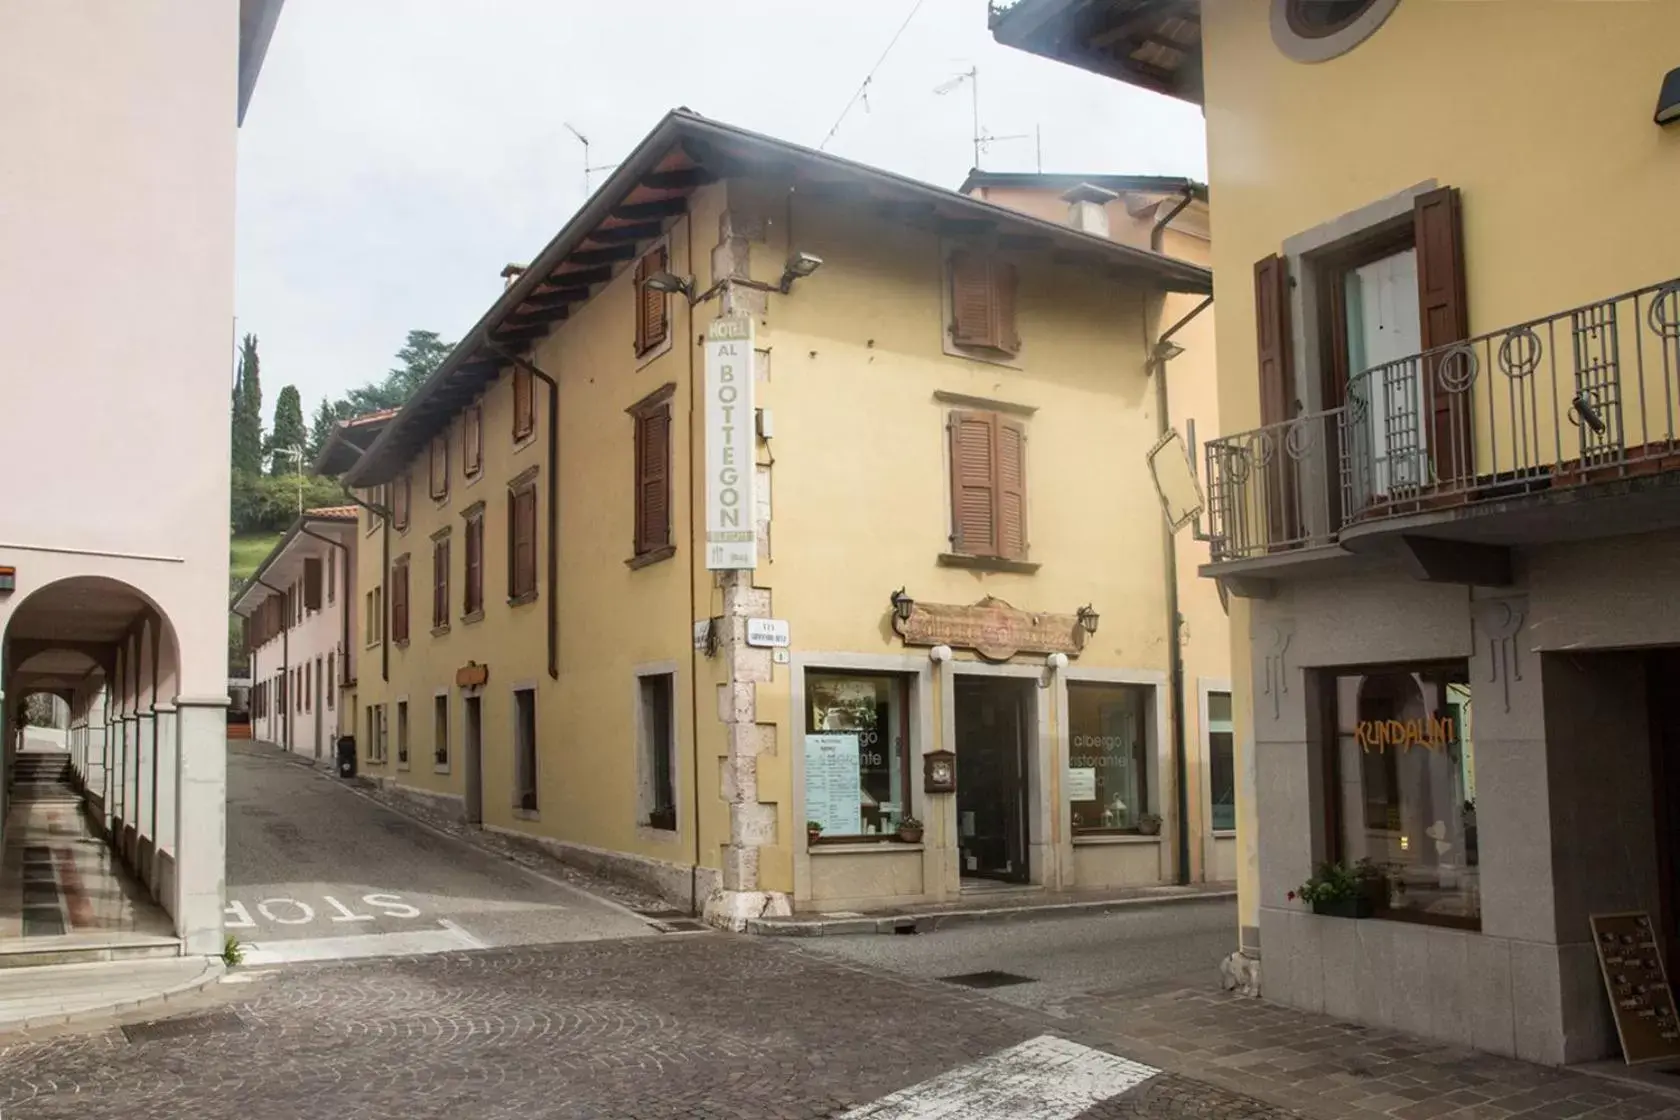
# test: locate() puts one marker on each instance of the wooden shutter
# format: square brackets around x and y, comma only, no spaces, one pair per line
[332,575]
[399,603]
[524,403]
[653,485]
[1003,279]
[440,583]
[399,503]
[1011,457]
[1445,319]
[312,584]
[472,440]
[972,316]
[472,599]
[1272,337]
[973,483]
[522,542]
[440,467]
[650,304]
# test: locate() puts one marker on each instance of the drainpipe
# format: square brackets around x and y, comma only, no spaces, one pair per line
[384,516]
[553,566]
[1175,621]
[343,603]
[1158,232]
[285,663]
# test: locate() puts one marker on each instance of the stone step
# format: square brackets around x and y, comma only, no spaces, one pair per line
[80,949]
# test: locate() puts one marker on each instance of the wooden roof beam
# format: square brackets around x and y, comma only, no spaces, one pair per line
[685,178]
[659,208]
[577,276]
[618,235]
[609,255]
[559,298]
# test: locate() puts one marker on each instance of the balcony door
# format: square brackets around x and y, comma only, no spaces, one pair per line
[1383,331]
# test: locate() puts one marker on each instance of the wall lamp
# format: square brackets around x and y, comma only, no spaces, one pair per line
[1668,99]
[799,265]
[902,605]
[671,283]
[1088,619]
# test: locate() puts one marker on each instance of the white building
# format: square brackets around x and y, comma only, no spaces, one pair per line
[300,616]
[118,120]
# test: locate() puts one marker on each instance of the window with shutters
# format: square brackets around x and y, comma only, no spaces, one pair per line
[440,583]
[981,298]
[472,574]
[440,467]
[651,533]
[375,618]
[652,324]
[402,734]
[522,539]
[379,496]
[472,441]
[988,455]
[399,601]
[400,494]
[524,404]
[332,679]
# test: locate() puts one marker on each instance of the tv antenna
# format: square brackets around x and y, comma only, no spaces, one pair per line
[587,167]
[983,140]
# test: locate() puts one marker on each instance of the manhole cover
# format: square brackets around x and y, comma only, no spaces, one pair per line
[188,1026]
[991,978]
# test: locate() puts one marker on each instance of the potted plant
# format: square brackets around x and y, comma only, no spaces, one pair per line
[813,831]
[910,830]
[1337,890]
[1150,824]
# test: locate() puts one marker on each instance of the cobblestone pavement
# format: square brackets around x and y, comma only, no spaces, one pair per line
[679,1026]
[1324,1067]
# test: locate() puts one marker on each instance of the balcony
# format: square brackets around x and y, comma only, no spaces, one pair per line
[1495,441]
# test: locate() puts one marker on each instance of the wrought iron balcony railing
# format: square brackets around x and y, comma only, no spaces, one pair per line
[1270,489]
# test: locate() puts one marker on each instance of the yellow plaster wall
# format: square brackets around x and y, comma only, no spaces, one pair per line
[1540,113]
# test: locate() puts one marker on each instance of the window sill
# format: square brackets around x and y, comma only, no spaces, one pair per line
[526,814]
[646,831]
[439,631]
[440,767]
[856,847]
[1224,834]
[987,563]
[522,440]
[645,559]
[400,643]
[522,600]
[1096,839]
[403,766]
[471,617]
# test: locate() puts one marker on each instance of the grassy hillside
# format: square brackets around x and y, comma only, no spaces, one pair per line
[246,551]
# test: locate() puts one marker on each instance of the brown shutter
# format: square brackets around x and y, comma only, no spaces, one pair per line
[1445,319]
[653,472]
[440,583]
[399,503]
[1272,332]
[1003,305]
[472,440]
[973,478]
[312,584]
[524,404]
[971,300]
[650,304]
[1012,489]
[440,466]
[473,597]
[522,551]
[399,603]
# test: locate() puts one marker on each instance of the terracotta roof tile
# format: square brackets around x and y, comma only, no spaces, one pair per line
[333,513]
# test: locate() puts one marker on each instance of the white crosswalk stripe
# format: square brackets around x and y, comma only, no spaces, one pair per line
[1047,1078]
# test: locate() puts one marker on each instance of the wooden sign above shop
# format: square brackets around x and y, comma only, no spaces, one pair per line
[1630,955]
[472,675]
[992,628]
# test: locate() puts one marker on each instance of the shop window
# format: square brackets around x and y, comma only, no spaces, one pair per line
[857,757]
[1222,770]
[657,727]
[1108,758]
[402,732]
[440,732]
[525,749]
[1403,764]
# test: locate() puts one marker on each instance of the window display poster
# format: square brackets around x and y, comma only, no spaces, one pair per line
[833,789]
[1082,783]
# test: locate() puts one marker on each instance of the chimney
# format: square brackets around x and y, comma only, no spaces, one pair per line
[511,275]
[1088,208]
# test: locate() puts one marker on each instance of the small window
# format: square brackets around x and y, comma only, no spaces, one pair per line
[440,731]
[472,441]
[440,468]
[440,584]
[658,743]
[524,404]
[522,543]
[400,494]
[472,595]
[652,452]
[399,600]
[525,749]
[370,623]
[402,732]
[983,302]
[332,576]
[857,755]
[1108,757]
[1222,770]
[372,733]
[651,322]
[308,689]
[988,485]
[332,680]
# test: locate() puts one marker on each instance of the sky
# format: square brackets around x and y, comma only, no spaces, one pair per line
[398,153]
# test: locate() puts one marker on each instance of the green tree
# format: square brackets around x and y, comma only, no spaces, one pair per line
[321,427]
[421,355]
[247,410]
[289,432]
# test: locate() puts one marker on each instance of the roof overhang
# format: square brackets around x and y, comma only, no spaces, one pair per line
[1060,181]
[284,562]
[256,27]
[1153,44]
[348,440]
[648,192]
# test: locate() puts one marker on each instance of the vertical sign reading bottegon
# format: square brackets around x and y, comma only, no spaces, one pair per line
[731,499]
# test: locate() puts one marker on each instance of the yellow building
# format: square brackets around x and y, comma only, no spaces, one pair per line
[1449,343]
[957,554]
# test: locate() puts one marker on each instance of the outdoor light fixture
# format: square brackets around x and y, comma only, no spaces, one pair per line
[1589,414]
[1088,619]
[902,605]
[1167,350]
[1668,100]
[799,265]
[671,283]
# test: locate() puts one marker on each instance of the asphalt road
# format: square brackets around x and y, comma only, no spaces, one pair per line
[315,870]
[1051,961]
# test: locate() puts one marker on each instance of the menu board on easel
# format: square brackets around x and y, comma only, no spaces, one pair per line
[1640,998]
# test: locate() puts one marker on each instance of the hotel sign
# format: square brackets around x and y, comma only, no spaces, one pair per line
[992,628]
[731,493]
